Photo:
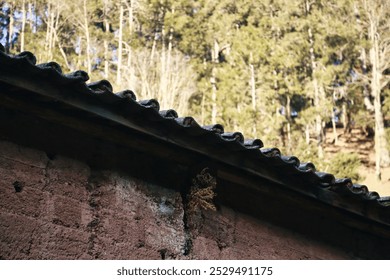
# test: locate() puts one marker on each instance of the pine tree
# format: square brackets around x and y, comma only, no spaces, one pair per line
[376,24]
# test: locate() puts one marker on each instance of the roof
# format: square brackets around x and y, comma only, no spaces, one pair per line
[231,148]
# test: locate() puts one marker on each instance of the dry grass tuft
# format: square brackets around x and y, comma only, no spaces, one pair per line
[202,192]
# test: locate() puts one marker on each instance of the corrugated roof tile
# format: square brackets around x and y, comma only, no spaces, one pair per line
[150,103]
[233,137]
[99,87]
[79,76]
[217,128]
[127,94]
[307,167]
[253,143]
[169,114]
[51,65]
[271,152]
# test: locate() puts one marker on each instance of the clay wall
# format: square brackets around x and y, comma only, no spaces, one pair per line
[54,207]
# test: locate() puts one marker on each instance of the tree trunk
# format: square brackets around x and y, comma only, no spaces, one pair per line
[131,16]
[335,137]
[87,38]
[153,48]
[169,92]
[106,50]
[169,53]
[62,51]
[106,39]
[163,73]
[129,67]
[130,72]
[307,134]
[381,152]
[30,12]
[213,81]
[213,96]
[23,27]
[382,157]
[54,29]
[120,45]
[288,118]
[10,33]
[48,24]
[203,102]
[317,97]
[344,117]
[252,83]
[51,16]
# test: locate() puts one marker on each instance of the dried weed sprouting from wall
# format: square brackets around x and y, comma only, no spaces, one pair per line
[200,197]
[202,192]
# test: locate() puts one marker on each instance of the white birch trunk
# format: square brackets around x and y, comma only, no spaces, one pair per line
[316,88]
[120,45]
[87,37]
[335,137]
[253,86]
[307,134]
[130,71]
[213,97]
[23,27]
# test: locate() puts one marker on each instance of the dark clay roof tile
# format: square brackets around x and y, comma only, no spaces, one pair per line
[307,167]
[270,152]
[52,66]
[99,87]
[372,196]
[253,143]
[326,179]
[233,136]
[187,121]
[150,103]
[342,186]
[384,201]
[217,128]
[293,160]
[27,56]
[359,189]
[127,94]
[169,114]
[78,75]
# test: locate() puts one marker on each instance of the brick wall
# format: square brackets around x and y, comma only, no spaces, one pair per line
[53,207]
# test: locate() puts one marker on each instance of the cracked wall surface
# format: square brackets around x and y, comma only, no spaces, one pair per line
[54,207]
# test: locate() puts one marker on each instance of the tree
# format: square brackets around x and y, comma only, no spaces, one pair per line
[376,26]
[275,69]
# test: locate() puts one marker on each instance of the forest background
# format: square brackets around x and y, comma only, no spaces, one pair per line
[299,74]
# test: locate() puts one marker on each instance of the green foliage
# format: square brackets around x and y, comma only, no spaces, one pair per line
[344,165]
[277,68]
[305,152]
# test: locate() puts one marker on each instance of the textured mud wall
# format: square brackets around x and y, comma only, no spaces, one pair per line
[53,207]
